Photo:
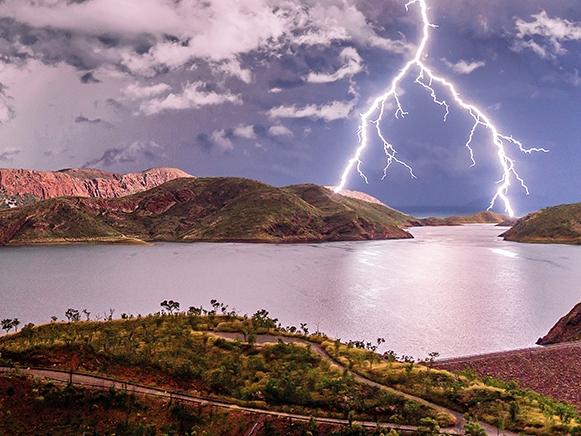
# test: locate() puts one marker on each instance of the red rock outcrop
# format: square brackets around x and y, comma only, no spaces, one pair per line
[567,328]
[81,182]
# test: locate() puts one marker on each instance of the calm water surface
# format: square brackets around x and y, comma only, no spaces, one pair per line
[455,290]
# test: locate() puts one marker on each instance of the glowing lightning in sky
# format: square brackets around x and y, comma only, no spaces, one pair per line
[426,78]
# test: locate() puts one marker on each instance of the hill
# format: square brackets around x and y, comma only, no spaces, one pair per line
[485,217]
[567,329]
[204,209]
[21,186]
[359,195]
[253,362]
[557,225]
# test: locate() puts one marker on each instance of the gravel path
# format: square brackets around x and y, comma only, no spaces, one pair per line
[458,429]
[104,383]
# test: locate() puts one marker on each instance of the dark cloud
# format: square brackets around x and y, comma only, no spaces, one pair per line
[7,112]
[115,104]
[145,152]
[89,78]
[81,119]
[204,141]
[9,155]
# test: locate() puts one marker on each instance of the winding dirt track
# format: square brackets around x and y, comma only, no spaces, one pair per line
[104,383]
[319,350]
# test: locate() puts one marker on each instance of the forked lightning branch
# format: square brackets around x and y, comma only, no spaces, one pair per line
[426,78]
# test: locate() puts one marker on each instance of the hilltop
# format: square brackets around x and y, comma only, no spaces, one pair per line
[204,209]
[23,186]
[557,225]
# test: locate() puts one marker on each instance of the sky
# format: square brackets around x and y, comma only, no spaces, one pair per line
[273,90]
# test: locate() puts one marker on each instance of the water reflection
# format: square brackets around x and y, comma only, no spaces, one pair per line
[456,290]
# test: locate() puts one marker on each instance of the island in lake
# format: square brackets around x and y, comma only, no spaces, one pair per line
[553,225]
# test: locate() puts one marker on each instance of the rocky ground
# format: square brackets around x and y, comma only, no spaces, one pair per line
[554,370]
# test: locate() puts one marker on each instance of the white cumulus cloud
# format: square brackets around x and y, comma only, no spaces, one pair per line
[464,67]
[246,132]
[279,130]
[545,35]
[137,91]
[335,110]
[193,96]
[233,68]
[221,139]
[352,65]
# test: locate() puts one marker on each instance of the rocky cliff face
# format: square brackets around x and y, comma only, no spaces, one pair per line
[567,329]
[22,186]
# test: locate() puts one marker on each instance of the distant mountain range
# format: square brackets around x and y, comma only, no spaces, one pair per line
[485,217]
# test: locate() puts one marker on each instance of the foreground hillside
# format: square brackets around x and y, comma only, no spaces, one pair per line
[567,329]
[22,186]
[204,209]
[558,225]
[255,363]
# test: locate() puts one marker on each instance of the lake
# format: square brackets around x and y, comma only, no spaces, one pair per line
[454,290]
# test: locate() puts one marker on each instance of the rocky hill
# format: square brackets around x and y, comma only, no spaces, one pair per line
[21,186]
[556,225]
[204,209]
[567,329]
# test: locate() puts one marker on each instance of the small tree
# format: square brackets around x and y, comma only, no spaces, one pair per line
[473,428]
[72,315]
[15,324]
[170,306]
[6,324]
[194,311]
[513,411]
[262,319]
[428,426]
[87,314]
[432,358]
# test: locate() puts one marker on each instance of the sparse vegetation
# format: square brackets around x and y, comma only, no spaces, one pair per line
[183,350]
[484,398]
[33,407]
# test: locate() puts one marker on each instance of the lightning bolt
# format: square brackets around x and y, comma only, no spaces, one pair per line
[426,78]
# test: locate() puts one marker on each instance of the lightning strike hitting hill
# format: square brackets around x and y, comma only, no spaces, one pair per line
[426,78]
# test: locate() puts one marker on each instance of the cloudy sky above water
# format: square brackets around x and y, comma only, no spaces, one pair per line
[272,90]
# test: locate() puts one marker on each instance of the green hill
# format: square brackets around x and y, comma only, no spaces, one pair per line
[557,225]
[204,209]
